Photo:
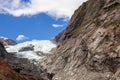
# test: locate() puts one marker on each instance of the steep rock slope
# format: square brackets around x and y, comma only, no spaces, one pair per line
[7,73]
[89,48]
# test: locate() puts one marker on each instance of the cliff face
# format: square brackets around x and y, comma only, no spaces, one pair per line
[89,48]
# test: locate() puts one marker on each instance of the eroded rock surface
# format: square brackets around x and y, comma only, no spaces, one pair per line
[89,48]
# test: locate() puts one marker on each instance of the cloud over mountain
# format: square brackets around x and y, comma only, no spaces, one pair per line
[54,8]
[21,37]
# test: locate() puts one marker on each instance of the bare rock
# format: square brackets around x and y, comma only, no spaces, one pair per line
[88,49]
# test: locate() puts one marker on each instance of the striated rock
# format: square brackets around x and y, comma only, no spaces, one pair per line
[89,48]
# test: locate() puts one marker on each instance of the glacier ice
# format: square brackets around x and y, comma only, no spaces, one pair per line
[40,46]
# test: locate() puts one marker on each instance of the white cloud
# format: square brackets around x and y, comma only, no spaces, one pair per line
[54,8]
[21,37]
[57,25]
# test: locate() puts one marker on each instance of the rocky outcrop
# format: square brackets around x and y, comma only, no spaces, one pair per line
[89,48]
[7,41]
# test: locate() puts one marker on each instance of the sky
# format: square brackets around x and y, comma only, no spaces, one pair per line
[25,20]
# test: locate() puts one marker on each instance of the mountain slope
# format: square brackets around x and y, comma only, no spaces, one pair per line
[89,48]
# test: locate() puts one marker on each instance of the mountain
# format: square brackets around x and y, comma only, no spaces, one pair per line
[89,48]
[35,50]
[22,61]
[7,41]
[8,72]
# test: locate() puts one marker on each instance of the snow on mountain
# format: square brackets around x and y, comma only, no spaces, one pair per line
[40,48]
[7,41]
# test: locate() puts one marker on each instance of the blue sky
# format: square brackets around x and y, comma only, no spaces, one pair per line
[23,20]
[34,27]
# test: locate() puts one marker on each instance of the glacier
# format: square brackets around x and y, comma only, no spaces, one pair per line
[41,49]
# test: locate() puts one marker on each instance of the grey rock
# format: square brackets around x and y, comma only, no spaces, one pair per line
[89,47]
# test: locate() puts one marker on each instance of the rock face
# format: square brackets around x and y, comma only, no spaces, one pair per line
[89,48]
[7,41]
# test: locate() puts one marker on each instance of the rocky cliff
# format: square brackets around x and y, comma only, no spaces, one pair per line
[89,48]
